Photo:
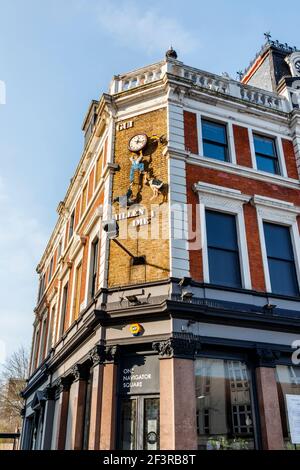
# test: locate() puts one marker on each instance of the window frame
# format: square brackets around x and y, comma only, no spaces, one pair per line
[229,136]
[225,249]
[43,338]
[93,267]
[84,199]
[78,264]
[35,348]
[63,308]
[281,213]
[278,149]
[71,225]
[205,140]
[51,326]
[290,261]
[274,157]
[230,201]
[220,354]
[51,264]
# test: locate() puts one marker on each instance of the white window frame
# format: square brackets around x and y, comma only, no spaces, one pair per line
[79,260]
[280,213]
[65,281]
[229,133]
[92,231]
[52,314]
[43,338]
[279,151]
[35,349]
[230,201]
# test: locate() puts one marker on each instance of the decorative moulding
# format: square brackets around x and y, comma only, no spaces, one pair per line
[277,204]
[96,216]
[275,210]
[221,198]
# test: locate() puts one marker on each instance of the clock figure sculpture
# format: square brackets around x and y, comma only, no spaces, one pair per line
[136,145]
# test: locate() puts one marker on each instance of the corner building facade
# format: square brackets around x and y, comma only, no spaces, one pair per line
[169,290]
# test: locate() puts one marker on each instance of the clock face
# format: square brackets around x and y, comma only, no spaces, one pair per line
[297,65]
[138,142]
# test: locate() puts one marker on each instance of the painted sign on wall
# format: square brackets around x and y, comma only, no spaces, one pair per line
[139,374]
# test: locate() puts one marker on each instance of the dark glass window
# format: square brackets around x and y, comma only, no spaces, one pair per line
[42,287]
[224,414]
[215,140]
[94,268]
[281,260]
[87,411]
[288,384]
[50,270]
[223,251]
[71,229]
[266,155]
[64,308]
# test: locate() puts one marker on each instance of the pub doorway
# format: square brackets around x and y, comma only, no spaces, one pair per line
[139,423]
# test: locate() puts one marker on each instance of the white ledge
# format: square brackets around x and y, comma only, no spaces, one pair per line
[275,204]
[221,191]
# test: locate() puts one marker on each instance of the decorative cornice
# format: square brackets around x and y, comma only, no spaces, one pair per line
[98,213]
[80,372]
[212,190]
[63,385]
[111,354]
[97,355]
[266,357]
[177,347]
[276,204]
[49,393]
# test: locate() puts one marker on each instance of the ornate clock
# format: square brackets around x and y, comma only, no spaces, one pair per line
[138,142]
[297,65]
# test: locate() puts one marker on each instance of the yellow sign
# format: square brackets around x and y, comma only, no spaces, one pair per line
[136,329]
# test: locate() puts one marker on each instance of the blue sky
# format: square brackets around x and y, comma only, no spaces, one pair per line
[55,57]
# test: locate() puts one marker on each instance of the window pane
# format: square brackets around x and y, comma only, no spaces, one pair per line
[214,131]
[264,145]
[217,152]
[221,230]
[287,385]
[267,164]
[278,241]
[151,424]
[224,267]
[87,411]
[230,424]
[283,277]
[128,425]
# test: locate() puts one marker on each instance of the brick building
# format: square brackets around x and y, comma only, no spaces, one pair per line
[169,290]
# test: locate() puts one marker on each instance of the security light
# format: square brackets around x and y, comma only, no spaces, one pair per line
[187,294]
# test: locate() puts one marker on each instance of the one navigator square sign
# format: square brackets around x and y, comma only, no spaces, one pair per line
[139,374]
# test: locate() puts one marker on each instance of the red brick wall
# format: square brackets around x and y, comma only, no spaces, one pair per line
[254,249]
[196,263]
[242,146]
[190,132]
[246,186]
[290,158]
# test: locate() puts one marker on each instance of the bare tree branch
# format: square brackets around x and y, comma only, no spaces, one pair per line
[13,377]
